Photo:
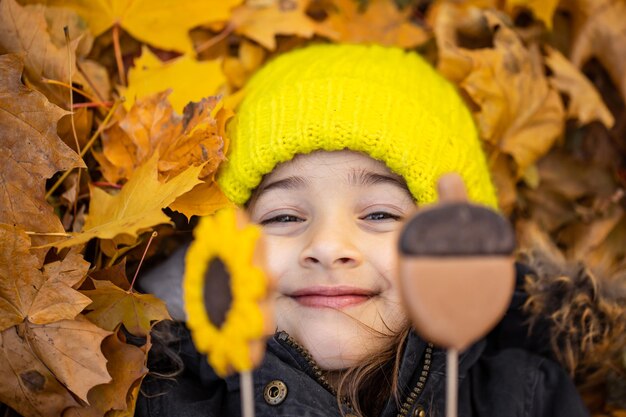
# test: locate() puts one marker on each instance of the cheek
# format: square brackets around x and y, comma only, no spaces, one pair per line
[278,256]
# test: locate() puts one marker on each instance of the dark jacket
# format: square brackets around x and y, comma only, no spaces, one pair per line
[498,376]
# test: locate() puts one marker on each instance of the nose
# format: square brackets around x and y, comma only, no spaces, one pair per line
[330,246]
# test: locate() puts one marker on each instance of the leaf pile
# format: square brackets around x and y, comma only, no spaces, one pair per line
[112,129]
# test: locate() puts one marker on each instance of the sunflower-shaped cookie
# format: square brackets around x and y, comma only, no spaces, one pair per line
[226,292]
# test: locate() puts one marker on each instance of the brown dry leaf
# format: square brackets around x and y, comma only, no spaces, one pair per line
[31,151]
[600,32]
[70,349]
[136,208]
[262,22]
[24,31]
[585,103]
[116,274]
[519,114]
[27,292]
[203,200]
[542,9]
[126,364]
[112,306]
[381,22]
[151,126]
[28,386]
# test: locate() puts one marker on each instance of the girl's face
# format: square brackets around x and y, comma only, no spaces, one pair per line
[331,222]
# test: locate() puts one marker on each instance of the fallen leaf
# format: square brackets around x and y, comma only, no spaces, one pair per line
[28,386]
[542,9]
[150,75]
[116,274]
[238,69]
[151,126]
[112,306]
[70,349]
[585,103]
[262,22]
[157,22]
[600,32]
[23,30]
[27,292]
[519,114]
[381,22]
[137,207]
[203,200]
[126,364]
[31,151]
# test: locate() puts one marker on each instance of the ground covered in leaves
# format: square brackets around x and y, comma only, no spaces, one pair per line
[112,128]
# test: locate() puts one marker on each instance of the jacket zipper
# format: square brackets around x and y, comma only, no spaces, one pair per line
[321,379]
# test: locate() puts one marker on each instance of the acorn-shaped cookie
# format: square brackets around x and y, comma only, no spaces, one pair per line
[456,268]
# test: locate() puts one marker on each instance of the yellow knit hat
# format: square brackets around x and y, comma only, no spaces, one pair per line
[385,102]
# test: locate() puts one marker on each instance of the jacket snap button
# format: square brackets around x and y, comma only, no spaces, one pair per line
[275,392]
[419,411]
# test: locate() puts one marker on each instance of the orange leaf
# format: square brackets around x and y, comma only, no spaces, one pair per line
[203,200]
[31,151]
[381,22]
[151,126]
[112,306]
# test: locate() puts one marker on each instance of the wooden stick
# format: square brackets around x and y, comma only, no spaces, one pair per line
[247,394]
[452,389]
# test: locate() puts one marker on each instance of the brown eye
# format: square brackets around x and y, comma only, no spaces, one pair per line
[381,215]
[282,218]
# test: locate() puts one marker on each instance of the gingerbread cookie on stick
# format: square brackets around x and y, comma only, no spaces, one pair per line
[456,272]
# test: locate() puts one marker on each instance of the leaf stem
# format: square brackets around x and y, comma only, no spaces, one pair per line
[215,39]
[71,87]
[132,284]
[105,104]
[118,54]
[86,148]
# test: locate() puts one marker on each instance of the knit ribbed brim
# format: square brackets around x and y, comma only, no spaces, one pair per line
[385,102]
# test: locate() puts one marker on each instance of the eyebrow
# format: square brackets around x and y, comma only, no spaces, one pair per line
[363,178]
[289,183]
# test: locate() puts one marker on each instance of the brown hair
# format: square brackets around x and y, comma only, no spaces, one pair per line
[361,385]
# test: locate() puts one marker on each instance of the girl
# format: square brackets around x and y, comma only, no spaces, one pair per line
[332,148]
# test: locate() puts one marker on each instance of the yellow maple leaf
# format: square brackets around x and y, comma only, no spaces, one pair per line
[188,78]
[162,23]
[286,17]
[112,306]
[136,208]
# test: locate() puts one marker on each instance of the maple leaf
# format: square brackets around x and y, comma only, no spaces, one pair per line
[28,386]
[203,200]
[126,365]
[136,208]
[585,103]
[24,31]
[263,22]
[600,32]
[112,306]
[172,18]
[27,292]
[519,114]
[151,126]
[381,22]
[150,75]
[238,69]
[31,151]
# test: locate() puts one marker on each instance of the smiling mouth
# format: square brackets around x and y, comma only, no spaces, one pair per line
[331,297]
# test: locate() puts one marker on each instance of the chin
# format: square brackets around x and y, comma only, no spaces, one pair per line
[334,339]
